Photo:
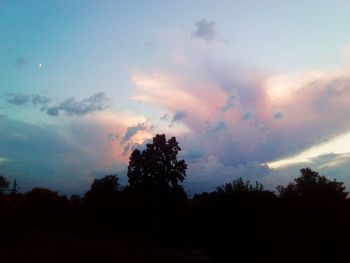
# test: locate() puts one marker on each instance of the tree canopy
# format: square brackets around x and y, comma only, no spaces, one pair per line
[239,186]
[157,168]
[311,185]
[104,188]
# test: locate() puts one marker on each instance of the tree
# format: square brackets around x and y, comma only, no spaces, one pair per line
[157,169]
[239,186]
[43,207]
[104,188]
[14,190]
[4,184]
[310,185]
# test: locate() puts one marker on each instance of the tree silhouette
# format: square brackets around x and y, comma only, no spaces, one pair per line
[157,168]
[106,186]
[104,192]
[4,184]
[14,190]
[315,209]
[239,186]
[311,185]
[43,207]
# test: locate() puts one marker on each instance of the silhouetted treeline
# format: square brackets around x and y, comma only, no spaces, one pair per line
[306,221]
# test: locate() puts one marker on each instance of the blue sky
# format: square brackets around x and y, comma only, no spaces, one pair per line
[247,87]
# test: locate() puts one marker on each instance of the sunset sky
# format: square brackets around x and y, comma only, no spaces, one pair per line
[250,88]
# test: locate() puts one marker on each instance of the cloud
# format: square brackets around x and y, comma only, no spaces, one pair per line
[67,156]
[71,107]
[3,116]
[220,125]
[191,155]
[179,115]
[231,101]
[133,130]
[205,30]
[126,148]
[2,160]
[20,99]
[310,107]
[52,111]
[40,100]
[287,113]
[173,92]
[136,136]
[333,166]
[17,98]
[216,94]
[209,172]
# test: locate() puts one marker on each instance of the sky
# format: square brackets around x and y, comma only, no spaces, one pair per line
[257,89]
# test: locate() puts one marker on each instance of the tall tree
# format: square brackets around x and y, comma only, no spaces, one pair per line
[157,168]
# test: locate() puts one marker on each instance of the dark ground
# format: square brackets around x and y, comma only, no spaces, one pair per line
[43,247]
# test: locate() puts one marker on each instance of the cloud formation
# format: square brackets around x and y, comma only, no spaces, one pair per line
[133,130]
[207,170]
[304,104]
[40,100]
[71,107]
[205,30]
[17,98]
[231,101]
[136,135]
[179,115]
[20,99]
[64,157]
[241,115]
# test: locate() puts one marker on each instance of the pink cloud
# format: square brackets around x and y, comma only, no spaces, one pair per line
[92,136]
[202,99]
[287,113]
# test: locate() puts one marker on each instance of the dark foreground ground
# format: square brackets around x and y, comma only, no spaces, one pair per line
[43,247]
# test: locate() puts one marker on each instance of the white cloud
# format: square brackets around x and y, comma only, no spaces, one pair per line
[338,145]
